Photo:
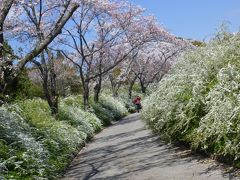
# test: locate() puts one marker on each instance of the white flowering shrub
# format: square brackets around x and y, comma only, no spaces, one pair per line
[38,115]
[114,105]
[19,151]
[86,122]
[219,129]
[58,137]
[104,114]
[74,101]
[35,145]
[198,101]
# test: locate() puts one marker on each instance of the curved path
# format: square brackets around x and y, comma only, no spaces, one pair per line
[127,150]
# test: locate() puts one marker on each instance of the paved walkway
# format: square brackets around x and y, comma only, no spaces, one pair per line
[128,151]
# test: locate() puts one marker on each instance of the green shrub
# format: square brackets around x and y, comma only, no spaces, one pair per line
[23,88]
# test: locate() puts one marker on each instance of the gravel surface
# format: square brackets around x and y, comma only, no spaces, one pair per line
[127,150]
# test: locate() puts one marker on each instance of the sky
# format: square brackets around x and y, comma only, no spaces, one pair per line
[194,19]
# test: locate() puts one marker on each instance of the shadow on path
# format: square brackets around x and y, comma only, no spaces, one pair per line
[127,150]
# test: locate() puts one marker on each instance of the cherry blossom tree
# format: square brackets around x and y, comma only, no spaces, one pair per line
[144,30]
[5,7]
[102,39]
[155,60]
[108,24]
[38,25]
[66,76]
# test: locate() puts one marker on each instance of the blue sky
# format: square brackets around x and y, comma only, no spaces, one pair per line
[195,19]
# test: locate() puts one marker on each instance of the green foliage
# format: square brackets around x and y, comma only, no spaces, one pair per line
[23,88]
[76,89]
[198,43]
[198,102]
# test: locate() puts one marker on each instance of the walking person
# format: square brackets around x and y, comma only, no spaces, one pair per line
[137,102]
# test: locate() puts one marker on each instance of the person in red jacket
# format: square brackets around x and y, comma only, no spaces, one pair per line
[137,102]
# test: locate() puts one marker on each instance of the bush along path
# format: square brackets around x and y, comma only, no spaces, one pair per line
[34,145]
[127,150]
[198,102]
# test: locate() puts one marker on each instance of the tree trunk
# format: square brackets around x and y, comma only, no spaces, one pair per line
[131,87]
[53,84]
[6,66]
[113,86]
[4,10]
[143,88]
[86,95]
[114,90]
[115,93]
[49,81]
[1,41]
[2,83]
[97,89]
[51,99]
[54,106]
[38,49]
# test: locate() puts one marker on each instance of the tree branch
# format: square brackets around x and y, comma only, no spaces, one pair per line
[56,31]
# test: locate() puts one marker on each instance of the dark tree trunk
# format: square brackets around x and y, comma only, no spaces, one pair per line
[114,90]
[53,85]
[1,41]
[86,94]
[6,83]
[115,86]
[2,81]
[49,81]
[97,89]
[54,105]
[143,87]
[131,87]
[115,93]
[51,97]
[4,10]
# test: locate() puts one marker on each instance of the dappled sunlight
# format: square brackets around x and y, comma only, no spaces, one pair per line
[129,151]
